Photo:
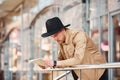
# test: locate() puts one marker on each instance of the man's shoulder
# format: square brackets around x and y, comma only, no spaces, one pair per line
[75,31]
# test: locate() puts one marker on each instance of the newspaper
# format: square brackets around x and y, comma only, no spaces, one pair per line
[39,62]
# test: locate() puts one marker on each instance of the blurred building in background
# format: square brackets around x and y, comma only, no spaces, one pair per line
[23,21]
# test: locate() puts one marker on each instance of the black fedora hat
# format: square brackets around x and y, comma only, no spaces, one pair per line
[53,25]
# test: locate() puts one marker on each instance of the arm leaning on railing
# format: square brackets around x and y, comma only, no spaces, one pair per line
[81,67]
[91,66]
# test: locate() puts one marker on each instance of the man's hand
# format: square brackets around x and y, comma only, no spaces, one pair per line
[49,62]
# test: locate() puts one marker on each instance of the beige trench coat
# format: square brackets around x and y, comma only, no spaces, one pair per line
[80,49]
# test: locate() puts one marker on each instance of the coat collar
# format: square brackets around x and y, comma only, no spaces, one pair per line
[67,37]
[69,34]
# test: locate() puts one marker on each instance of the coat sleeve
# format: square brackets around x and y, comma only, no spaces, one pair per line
[80,44]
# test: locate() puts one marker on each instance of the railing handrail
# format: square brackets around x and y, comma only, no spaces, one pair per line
[90,66]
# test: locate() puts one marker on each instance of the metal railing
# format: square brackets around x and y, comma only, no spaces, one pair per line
[62,75]
[82,67]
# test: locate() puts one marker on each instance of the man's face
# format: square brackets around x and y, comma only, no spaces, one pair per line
[59,36]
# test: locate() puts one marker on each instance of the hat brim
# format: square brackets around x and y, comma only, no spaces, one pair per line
[53,32]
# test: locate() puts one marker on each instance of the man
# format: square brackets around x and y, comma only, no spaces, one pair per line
[76,48]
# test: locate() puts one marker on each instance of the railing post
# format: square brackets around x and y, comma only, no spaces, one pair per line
[52,75]
[0,54]
[80,75]
[6,61]
[30,69]
[66,75]
[111,45]
[22,43]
